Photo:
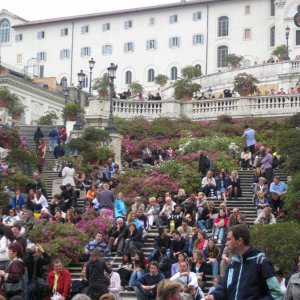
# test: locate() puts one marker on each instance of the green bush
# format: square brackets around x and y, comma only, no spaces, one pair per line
[280,242]
[49,119]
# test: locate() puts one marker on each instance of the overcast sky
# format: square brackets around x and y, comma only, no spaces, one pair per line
[36,9]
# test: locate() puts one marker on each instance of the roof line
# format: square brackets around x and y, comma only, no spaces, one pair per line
[117,12]
[12,15]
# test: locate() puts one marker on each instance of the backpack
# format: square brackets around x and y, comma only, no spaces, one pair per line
[275,162]
[53,133]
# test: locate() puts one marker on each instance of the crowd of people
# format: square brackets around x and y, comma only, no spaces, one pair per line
[196,237]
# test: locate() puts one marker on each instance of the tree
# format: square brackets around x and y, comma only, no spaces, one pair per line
[102,84]
[190,72]
[280,51]
[48,119]
[161,79]
[136,87]
[185,88]
[11,101]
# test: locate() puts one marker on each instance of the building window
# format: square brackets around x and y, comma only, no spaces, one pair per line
[198,39]
[174,73]
[19,37]
[4,31]
[297,37]
[197,16]
[105,26]
[106,49]
[198,66]
[174,42]
[64,54]
[223,23]
[128,77]
[272,8]
[272,36]
[151,45]
[128,47]
[41,71]
[173,19]
[85,51]
[247,34]
[41,56]
[19,59]
[222,53]
[151,75]
[151,21]
[85,29]
[247,9]
[64,32]
[128,24]
[41,35]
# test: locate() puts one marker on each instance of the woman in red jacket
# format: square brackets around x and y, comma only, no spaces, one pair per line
[60,281]
[220,225]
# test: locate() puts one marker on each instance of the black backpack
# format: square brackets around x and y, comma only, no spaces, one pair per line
[274,162]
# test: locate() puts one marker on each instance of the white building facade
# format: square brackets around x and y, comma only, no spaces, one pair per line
[144,42]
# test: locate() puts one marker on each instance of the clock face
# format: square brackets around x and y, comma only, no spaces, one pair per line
[297,19]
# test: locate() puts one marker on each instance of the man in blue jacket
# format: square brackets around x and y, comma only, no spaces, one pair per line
[250,275]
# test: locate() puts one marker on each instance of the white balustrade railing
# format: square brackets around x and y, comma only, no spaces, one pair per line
[147,109]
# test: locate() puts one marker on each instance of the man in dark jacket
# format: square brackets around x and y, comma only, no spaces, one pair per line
[204,163]
[69,196]
[117,236]
[178,243]
[146,286]
[97,281]
[250,275]
[162,240]
[106,198]
[42,260]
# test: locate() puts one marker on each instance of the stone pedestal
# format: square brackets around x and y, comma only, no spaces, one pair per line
[115,145]
[56,186]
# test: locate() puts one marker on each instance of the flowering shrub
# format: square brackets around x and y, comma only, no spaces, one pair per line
[94,222]
[60,240]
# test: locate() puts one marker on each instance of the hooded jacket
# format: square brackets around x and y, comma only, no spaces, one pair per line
[249,277]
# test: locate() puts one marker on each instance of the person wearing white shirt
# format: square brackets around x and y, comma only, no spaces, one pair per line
[166,210]
[40,200]
[187,278]
[115,284]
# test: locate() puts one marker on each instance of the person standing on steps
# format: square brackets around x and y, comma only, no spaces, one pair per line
[41,155]
[53,135]
[250,274]
[37,136]
[249,136]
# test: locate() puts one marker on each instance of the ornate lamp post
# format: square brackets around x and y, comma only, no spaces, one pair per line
[287,35]
[112,75]
[91,65]
[78,124]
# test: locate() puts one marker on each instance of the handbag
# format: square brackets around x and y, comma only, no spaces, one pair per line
[38,285]
[11,288]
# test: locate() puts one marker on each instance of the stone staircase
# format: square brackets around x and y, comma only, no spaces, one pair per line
[244,203]
[48,174]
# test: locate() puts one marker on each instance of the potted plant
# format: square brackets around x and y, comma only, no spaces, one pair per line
[245,84]
[280,52]
[136,88]
[161,79]
[102,85]
[185,88]
[70,110]
[49,119]
[234,60]
[190,72]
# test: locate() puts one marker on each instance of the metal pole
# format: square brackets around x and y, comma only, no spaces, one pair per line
[90,86]
[78,125]
[110,126]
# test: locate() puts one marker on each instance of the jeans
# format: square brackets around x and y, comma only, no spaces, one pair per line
[52,145]
[130,244]
[219,233]
[154,255]
[215,268]
[203,223]
[134,276]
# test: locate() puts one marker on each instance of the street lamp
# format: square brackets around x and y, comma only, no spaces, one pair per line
[66,94]
[209,91]
[112,75]
[91,65]
[287,34]
[78,124]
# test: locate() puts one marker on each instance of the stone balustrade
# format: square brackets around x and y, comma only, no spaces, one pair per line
[256,106]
